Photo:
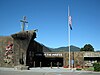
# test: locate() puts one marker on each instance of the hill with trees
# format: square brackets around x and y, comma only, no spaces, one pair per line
[65,49]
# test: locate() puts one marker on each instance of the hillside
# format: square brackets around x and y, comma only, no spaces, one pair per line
[65,49]
[46,49]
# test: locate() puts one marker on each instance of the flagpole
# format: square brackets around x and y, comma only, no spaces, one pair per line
[68,37]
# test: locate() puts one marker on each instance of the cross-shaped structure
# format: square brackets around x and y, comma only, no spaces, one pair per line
[23,22]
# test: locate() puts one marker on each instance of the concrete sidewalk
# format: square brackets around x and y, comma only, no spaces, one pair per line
[38,69]
[45,71]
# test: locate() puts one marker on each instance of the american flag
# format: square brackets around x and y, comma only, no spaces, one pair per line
[70,21]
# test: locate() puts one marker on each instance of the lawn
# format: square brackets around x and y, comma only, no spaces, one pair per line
[89,69]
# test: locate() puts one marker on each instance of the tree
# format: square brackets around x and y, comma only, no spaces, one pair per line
[87,47]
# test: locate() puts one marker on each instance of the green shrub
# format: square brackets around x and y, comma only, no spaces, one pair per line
[78,69]
[96,66]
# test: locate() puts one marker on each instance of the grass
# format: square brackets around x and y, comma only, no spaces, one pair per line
[89,69]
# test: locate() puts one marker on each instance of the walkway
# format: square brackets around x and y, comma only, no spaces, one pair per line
[45,71]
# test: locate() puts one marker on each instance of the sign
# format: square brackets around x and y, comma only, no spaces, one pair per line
[92,54]
[53,54]
[72,61]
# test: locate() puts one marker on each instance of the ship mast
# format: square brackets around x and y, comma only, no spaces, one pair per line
[23,23]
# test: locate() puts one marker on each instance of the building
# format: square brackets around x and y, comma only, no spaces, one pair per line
[21,48]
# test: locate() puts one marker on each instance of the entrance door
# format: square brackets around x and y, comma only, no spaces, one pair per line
[55,62]
[39,59]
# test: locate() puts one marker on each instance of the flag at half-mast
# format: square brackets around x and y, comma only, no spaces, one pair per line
[69,19]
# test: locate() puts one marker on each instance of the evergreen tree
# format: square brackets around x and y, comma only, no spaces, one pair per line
[87,47]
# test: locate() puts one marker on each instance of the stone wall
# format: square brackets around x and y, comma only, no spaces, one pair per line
[76,56]
[6,52]
[21,43]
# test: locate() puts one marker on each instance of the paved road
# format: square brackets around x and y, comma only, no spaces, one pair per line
[20,73]
[72,73]
[44,71]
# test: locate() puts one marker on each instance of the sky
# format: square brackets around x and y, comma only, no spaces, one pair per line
[50,17]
